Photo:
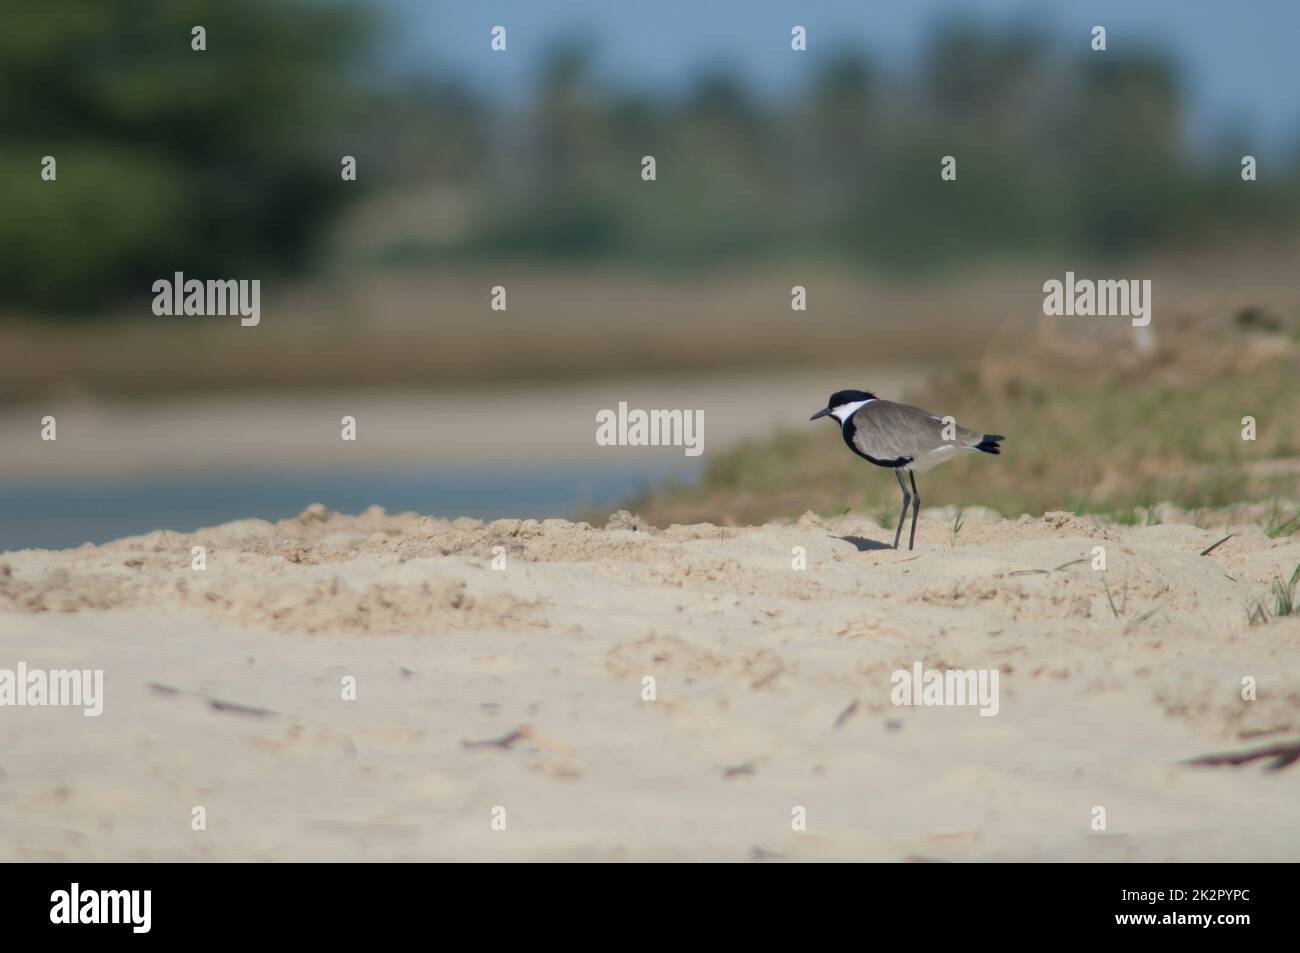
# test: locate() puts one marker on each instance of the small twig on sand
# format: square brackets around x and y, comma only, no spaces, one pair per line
[1210,549]
[505,741]
[219,705]
[1283,754]
[522,733]
[846,714]
[216,704]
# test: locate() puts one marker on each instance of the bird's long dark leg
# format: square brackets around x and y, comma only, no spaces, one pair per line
[916,508]
[907,498]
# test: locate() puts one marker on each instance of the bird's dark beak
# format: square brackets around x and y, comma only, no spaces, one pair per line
[820,413]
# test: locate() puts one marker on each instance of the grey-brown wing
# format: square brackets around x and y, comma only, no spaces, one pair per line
[889,431]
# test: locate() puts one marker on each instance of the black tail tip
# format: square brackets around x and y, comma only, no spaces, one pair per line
[990,443]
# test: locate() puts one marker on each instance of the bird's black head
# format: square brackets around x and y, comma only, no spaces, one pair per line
[840,398]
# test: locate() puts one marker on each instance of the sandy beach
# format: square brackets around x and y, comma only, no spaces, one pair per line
[522,688]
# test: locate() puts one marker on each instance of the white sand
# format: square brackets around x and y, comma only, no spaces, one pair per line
[754,664]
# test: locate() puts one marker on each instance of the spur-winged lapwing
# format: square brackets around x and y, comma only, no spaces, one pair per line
[902,437]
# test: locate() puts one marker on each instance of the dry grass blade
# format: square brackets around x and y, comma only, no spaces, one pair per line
[1142,618]
[1109,597]
[1072,562]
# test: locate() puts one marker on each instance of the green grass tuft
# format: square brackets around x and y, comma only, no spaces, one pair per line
[1282,593]
[1279,524]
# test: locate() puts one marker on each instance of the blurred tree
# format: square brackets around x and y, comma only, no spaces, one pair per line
[842,115]
[554,197]
[1123,141]
[422,129]
[971,73]
[212,162]
[225,162]
[837,146]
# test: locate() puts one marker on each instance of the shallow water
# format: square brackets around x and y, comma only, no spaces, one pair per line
[61,513]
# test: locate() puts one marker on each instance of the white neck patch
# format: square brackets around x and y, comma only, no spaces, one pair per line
[844,411]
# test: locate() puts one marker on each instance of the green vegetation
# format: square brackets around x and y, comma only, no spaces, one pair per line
[1083,430]
[1279,524]
[228,160]
[1096,166]
[1282,594]
[168,159]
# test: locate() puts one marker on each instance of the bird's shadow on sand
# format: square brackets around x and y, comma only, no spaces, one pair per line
[863,544]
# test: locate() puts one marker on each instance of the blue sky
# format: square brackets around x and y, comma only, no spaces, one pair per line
[1239,57]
